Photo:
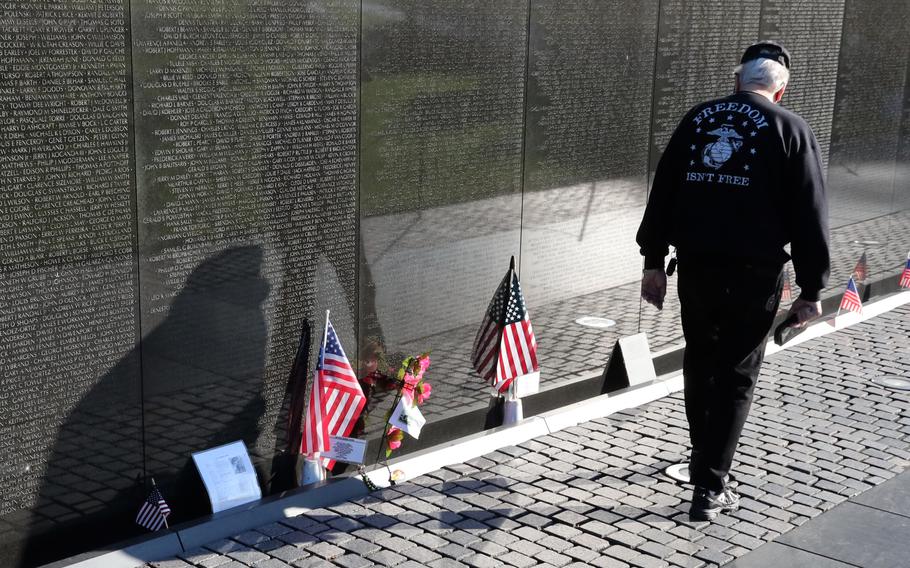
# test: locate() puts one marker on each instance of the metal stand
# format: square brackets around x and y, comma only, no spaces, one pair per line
[512,412]
[312,472]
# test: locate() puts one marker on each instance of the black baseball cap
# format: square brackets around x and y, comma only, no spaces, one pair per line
[767,50]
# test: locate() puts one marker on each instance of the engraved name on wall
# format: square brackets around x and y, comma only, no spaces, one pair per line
[699,44]
[66,242]
[246,157]
[811,31]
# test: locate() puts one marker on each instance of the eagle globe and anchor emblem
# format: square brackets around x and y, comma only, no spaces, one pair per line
[716,153]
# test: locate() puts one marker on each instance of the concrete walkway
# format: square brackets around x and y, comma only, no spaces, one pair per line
[820,434]
[872,529]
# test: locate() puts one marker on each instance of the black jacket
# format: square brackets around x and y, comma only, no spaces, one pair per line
[740,178]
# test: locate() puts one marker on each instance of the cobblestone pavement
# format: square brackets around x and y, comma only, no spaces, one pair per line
[593,495]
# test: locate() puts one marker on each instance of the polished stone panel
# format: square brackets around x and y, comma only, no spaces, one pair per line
[589,108]
[780,556]
[870,97]
[902,173]
[892,496]
[69,379]
[442,102]
[246,159]
[811,31]
[854,534]
[699,44]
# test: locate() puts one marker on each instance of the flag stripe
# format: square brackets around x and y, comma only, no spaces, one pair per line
[525,349]
[851,300]
[355,409]
[787,293]
[337,379]
[510,352]
[520,341]
[485,361]
[335,410]
[515,350]
[153,512]
[505,363]
[532,348]
[485,343]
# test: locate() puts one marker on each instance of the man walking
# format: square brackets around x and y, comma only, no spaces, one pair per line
[740,178]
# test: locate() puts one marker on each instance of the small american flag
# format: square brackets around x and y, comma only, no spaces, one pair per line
[851,302]
[861,272]
[505,347]
[336,399]
[787,293]
[154,511]
[905,275]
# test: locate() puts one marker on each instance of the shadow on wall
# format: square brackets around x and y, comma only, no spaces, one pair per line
[202,373]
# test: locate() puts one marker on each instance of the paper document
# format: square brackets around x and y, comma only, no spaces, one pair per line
[228,475]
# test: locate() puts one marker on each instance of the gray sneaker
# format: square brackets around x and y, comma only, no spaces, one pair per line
[706,505]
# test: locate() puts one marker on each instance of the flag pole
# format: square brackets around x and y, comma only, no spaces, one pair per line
[385,434]
[385,431]
[842,299]
[325,337]
[512,411]
[505,305]
[313,470]
[163,518]
[502,318]
[325,331]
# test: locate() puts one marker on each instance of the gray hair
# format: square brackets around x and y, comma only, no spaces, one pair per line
[766,74]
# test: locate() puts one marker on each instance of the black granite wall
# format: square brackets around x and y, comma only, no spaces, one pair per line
[186,186]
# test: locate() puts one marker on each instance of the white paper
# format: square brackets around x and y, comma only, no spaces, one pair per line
[526,385]
[228,475]
[637,356]
[348,450]
[408,418]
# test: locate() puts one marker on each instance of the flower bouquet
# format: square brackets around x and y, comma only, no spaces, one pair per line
[413,391]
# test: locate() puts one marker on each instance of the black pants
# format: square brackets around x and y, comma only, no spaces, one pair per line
[727,312]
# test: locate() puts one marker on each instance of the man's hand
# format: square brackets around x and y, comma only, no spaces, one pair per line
[806,311]
[654,287]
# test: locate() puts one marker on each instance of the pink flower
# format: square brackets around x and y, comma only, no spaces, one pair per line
[423,392]
[410,381]
[394,437]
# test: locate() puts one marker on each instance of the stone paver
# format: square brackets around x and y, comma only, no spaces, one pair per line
[594,495]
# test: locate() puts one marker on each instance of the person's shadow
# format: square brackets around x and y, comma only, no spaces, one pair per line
[199,386]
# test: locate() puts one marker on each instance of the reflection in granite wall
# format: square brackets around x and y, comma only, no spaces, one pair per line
[246,153]
[699,42]
[902,172]
[589,108]
[69,408]
[811,30]
[442,108]
[870,93]
[863,186]
[899,241]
